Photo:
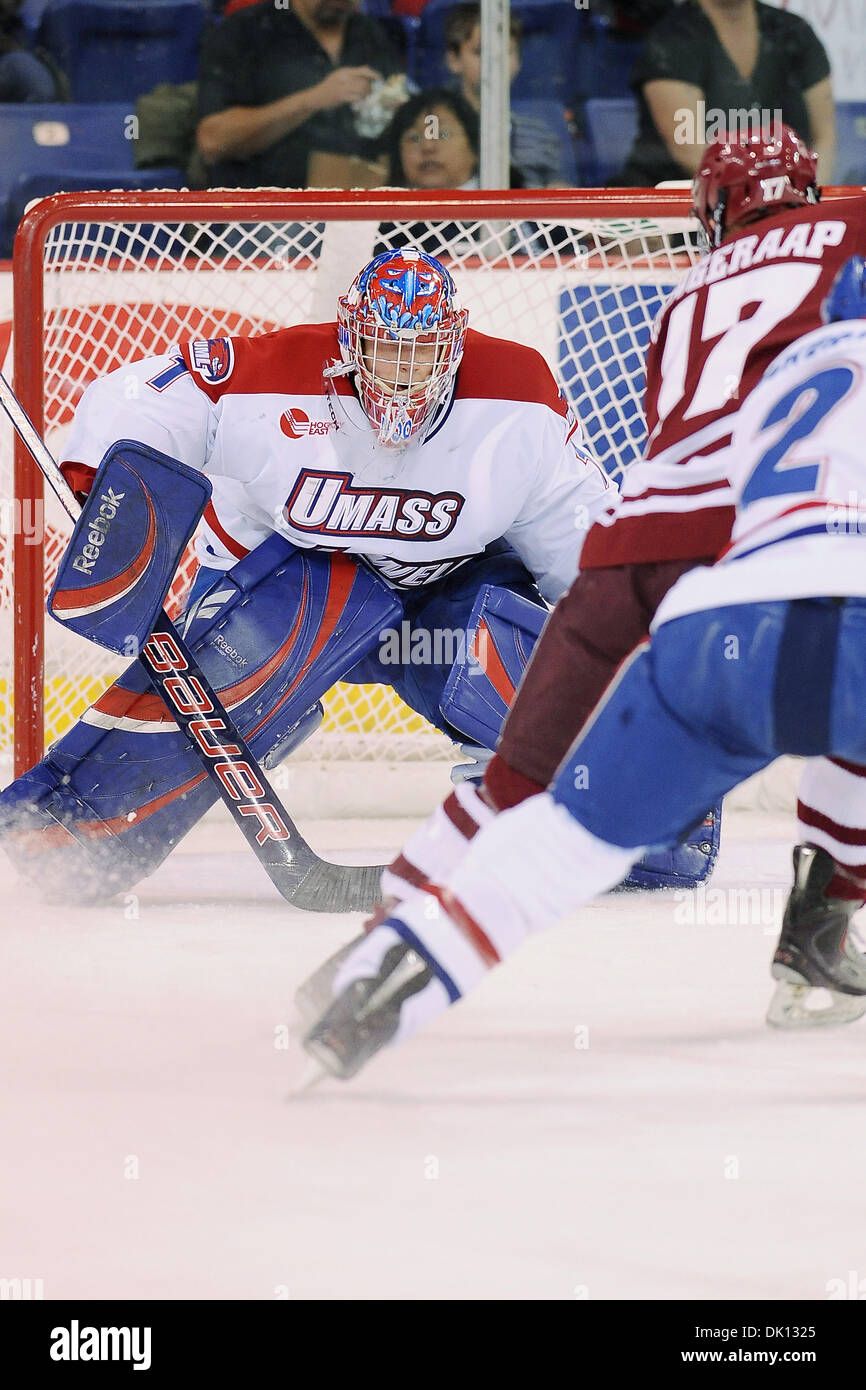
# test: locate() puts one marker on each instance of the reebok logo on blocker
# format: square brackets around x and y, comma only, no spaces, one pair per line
[99,526]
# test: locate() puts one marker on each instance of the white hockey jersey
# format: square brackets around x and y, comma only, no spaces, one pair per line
[797,467]
[287,453]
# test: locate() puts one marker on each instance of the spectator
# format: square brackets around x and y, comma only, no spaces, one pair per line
[432,142]
[535,150]
[275,85]
[25,74]
[713,61]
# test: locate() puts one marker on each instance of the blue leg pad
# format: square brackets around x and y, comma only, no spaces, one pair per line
[116,793]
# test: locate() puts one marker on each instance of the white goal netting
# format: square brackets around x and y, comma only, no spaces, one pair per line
[97,292]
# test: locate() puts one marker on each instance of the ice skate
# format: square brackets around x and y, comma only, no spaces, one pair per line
[366,1015]
[316,993]
[815,955]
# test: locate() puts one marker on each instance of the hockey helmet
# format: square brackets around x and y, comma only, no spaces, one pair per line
[740,179]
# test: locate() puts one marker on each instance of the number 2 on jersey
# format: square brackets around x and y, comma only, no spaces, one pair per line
[806,406]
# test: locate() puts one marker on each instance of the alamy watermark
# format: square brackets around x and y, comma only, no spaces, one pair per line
[77,1343]
[437,646]
[23,517]
[21,1290]
[701,125]
[730,907]
[853,1287]
[847,518]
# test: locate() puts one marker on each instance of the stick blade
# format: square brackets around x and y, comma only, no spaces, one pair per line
[327,887]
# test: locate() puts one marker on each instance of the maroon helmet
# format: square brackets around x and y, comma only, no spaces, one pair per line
[745,177]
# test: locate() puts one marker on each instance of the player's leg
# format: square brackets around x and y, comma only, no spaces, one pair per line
[594,627]
[679,727]
[819,968]
[831,814]
[601,619]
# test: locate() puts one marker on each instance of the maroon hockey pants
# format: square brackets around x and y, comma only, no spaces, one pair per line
[593,628]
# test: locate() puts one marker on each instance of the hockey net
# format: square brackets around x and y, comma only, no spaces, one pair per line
[101,279]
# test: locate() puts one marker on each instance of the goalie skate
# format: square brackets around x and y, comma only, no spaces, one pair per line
[816,959]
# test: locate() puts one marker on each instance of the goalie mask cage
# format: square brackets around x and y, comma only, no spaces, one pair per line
[103,278]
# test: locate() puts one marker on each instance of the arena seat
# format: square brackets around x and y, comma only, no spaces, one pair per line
[850,143]
[604,60]
[64,147]
[113,50]
[553,116]
[611,127]
[31,13]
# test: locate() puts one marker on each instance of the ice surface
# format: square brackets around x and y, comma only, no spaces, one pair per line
[151,1146]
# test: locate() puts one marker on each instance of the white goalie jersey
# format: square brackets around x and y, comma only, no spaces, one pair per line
[290,451]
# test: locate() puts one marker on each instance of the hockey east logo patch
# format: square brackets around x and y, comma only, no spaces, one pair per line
[329,505]
[212,358]
[296,424]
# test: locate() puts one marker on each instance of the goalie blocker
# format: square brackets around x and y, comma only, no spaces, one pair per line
[124,552]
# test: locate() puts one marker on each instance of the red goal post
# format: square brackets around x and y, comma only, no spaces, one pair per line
[102,277]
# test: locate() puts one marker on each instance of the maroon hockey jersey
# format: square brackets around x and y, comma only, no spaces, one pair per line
[731,315]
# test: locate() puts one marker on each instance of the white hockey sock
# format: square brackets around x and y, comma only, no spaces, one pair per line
[831,811]
[435,850]
[533,865]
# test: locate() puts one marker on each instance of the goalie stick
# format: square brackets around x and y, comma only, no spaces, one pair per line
[296,871]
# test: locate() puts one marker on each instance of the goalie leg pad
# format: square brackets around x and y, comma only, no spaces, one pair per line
[502,630]
[685,865]
[116,793]
[417,658]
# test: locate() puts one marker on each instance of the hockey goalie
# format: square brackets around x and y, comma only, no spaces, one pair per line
[391,467]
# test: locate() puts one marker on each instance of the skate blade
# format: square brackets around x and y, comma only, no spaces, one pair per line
[316,994]
[324,1062]
[798,1005]
[312,1075]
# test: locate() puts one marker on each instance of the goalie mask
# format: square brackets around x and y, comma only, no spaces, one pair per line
[401,331]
